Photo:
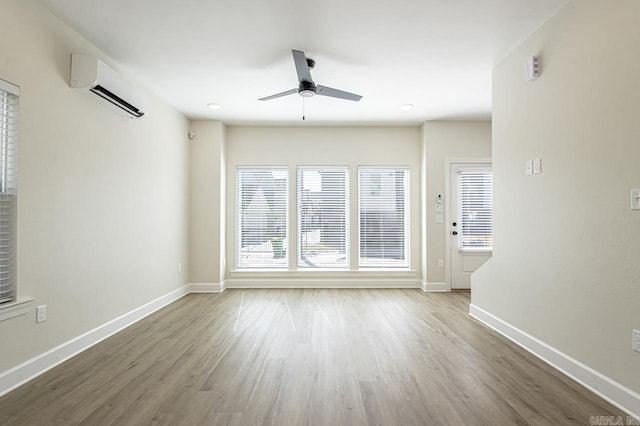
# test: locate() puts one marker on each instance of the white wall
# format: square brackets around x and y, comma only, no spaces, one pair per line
[424,149]
[349,146]
[207,187]
[103,211]
[444,140]
[566,266]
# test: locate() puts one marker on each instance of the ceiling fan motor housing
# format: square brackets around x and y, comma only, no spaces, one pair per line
[306,89]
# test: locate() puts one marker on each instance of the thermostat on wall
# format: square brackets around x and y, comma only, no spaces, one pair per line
[635,199]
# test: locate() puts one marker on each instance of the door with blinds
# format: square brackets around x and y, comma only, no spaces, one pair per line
[471,221]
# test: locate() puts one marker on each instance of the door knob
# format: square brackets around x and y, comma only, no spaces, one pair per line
[454,224]
[455,232]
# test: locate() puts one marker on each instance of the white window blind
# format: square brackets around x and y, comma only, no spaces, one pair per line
[323,217]
[262,218]
[476,209]
[8,189]
[383,217]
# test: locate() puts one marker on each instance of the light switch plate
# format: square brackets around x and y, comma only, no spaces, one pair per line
[537,166]
[529,167]
[439,208]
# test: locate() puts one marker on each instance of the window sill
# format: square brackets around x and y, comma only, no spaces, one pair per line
[476,250]
[15,309]
[325,273]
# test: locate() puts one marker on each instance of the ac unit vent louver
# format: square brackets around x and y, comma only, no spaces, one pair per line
[93,76]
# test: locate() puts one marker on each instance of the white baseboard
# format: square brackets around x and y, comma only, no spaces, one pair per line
[38,365]
[207,287]
[612,391]
[322,283]
[435,287]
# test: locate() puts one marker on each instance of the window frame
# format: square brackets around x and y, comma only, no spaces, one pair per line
[9,115]
[406,249]
[283,265]
[346,219]
[464,227]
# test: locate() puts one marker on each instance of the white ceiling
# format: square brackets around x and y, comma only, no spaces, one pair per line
[434,54]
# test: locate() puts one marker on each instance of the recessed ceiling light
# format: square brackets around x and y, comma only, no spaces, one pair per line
[213,106]
[407,107]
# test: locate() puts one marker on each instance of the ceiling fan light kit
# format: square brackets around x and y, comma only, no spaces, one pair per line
[306,89]
[306,86]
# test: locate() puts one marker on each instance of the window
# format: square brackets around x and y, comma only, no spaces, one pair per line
[383,217]
[8,189]
[476,209]
[262,219]
[323,217]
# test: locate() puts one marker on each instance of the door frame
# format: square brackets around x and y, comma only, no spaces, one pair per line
[448,163]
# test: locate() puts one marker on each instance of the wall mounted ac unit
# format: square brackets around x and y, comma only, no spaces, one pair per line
[92,75]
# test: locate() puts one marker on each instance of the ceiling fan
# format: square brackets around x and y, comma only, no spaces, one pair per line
[307,87]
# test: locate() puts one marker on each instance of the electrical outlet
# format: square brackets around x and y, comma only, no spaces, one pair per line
[41,313]
[179,267]
[636,340]
[528,167]
[439,218]
[439,208]
[440,263]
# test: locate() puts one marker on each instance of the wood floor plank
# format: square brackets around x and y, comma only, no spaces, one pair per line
[305,357]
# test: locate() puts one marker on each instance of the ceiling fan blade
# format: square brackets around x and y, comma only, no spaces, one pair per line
[302,68]
[335,93]
[279,95]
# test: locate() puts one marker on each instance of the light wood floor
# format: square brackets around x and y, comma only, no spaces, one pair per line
[301,357]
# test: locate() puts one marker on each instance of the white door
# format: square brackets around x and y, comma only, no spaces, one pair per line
[470,224]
